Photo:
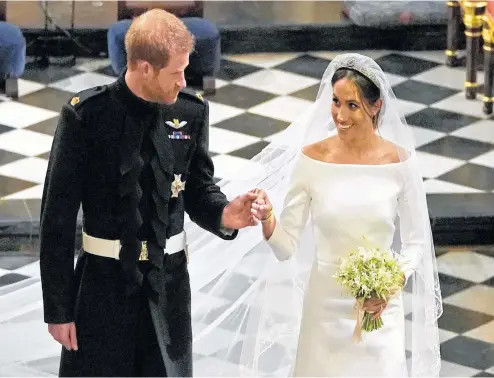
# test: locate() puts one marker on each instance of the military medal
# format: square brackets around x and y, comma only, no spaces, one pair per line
[178,135]
[176,124]
[177,186]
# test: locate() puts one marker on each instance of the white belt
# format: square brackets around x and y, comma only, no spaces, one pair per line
[111,248]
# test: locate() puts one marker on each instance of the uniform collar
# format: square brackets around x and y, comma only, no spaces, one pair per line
[131,102]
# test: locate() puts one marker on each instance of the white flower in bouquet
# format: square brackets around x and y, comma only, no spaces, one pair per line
[369,273]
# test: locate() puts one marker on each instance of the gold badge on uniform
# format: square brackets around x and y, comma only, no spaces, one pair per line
[176,124]
[199,96]
[177,186]
[74,101]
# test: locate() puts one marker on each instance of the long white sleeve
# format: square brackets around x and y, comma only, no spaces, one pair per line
[293,218]
[412,209]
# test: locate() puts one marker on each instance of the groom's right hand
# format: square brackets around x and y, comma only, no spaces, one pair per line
[65,334]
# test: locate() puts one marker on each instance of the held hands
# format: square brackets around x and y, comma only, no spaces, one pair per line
[247,210]
[237,214]
[65,334]
[261,207]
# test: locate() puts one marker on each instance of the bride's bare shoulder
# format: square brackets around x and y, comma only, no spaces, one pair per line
[393,153]
[319,150]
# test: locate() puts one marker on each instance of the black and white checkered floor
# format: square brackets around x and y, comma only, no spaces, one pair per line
[466,327]
[258,96]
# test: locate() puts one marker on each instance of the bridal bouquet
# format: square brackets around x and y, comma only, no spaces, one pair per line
[369,273]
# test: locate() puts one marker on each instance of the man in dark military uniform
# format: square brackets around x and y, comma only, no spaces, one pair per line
[135,154]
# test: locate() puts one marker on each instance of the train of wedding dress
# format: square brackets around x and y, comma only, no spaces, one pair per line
[254,315]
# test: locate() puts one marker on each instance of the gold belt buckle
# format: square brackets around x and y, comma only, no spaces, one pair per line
[144,252]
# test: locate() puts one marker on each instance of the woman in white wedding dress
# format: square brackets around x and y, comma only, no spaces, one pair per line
[341,171]
[352,185]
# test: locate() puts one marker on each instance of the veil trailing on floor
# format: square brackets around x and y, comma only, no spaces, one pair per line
[246,305]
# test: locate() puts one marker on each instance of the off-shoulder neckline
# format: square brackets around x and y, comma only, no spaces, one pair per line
[400,163]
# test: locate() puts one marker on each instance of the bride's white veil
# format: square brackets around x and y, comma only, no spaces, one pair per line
[246,305]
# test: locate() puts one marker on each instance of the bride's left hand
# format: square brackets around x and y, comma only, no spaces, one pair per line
[375,306]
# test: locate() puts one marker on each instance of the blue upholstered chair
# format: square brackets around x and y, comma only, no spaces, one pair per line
[12,58]
[204,62]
